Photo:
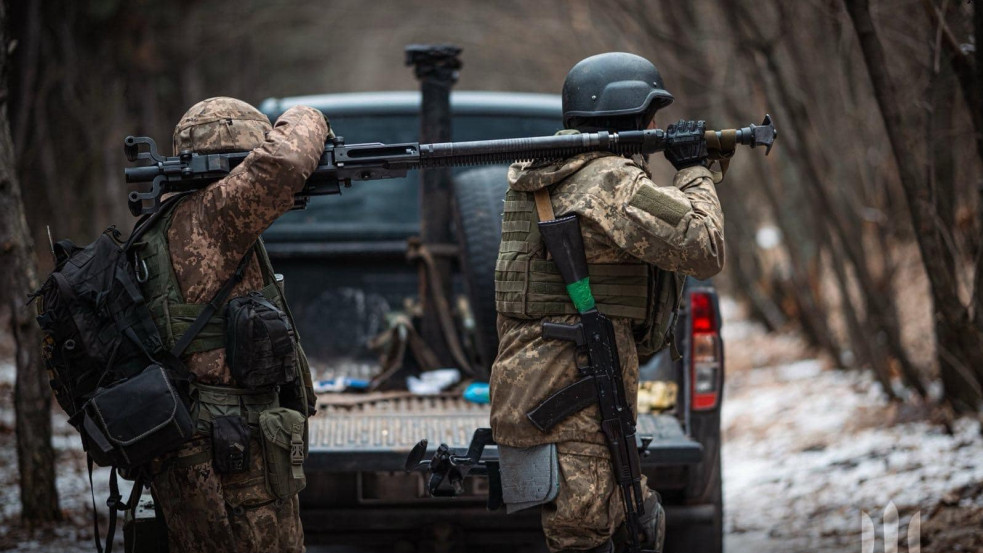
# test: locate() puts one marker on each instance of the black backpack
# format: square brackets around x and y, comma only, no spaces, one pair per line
[127,396]
[96,328]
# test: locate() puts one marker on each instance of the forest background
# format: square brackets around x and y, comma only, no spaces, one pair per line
[862,230]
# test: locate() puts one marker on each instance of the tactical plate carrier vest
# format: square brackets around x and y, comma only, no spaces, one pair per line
[529,286]
[173,316]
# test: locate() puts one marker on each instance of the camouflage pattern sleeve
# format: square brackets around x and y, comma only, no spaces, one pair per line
[678,228]
[261,188]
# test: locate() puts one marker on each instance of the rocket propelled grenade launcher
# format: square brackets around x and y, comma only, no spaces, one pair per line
[342,163]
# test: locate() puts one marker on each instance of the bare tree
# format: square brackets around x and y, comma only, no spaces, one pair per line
[32,399]
[86,77]
[959,330]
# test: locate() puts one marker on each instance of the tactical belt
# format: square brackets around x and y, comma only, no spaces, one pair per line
[212,402]
[218,401]
[178,460]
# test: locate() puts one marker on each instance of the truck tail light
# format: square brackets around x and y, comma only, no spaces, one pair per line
[705,352]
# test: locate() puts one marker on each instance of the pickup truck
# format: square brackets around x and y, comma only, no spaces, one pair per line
[346,272]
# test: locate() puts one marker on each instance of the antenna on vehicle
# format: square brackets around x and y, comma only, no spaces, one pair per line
[51,245]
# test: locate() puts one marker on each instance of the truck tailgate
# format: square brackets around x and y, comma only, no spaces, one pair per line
[350,434]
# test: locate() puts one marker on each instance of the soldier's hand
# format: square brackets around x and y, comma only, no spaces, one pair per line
[685,145]
[328,123]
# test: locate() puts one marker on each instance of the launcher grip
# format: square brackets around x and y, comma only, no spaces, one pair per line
[723,144]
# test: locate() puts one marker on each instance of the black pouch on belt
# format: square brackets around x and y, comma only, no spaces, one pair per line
[230,444]
[259,343]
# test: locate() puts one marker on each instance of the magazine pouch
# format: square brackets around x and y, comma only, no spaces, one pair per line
[230,444]
[259,343]
[283,432]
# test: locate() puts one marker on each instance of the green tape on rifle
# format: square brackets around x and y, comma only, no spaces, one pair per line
[580,293]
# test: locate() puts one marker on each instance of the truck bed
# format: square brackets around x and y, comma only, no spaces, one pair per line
[375,432]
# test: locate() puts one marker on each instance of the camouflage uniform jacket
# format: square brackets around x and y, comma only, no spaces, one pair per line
[624,218]
[211,230]
[214,227]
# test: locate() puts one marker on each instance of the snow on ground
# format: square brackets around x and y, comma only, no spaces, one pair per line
[807,450]
[75,534]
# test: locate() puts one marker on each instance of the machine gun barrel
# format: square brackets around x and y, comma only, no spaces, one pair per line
[341,163]
[483,152]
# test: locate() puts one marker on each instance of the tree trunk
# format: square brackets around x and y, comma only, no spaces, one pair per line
[862,345]
[978,278]
[960,355]
[967,71]
[791,214]
[880,321]
[32,399]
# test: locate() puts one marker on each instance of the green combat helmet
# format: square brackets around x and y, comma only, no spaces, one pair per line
[615,91]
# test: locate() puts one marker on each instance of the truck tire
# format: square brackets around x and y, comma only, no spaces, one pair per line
[478,195]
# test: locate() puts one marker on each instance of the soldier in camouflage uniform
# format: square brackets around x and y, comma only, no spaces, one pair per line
[207,234]
[633,231]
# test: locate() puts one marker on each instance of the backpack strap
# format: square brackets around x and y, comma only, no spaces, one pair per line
[95,514]
[199,323]
[147,221]
[213,305]
[114,504]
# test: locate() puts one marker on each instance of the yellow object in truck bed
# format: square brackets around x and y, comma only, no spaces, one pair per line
[656,396]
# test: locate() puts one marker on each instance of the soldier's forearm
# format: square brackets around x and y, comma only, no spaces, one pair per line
[262,187]
[290,153]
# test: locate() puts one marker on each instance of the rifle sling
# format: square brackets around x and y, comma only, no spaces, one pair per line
[544,207]
[721,146]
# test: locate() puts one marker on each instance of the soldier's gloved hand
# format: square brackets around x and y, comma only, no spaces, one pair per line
[328,123]
[685,145]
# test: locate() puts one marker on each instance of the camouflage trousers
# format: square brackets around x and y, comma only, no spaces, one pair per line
[208,512]
[588,509]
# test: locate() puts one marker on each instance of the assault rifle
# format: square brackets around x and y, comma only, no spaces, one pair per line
[600,384]
[342,163]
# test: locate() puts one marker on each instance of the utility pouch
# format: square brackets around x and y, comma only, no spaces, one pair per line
[259,343]
[665,293]
[283,442]
[135,420]
[230,444]
[530,476]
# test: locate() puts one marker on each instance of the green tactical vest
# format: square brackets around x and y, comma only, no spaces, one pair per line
[529,286]
[173,316]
